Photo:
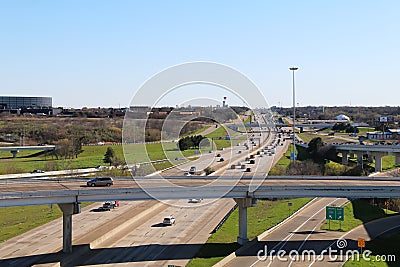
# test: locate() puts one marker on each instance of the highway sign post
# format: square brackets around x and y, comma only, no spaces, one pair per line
[334,213]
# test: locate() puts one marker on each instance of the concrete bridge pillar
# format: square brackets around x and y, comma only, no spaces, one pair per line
[360,159]
[243,204]
[345,159]
[397,159]
[14,153]
[68,209]
[351,155]
[378,161]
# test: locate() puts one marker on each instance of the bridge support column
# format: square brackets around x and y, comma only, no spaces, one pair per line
[378,161]
[345,159]
[397,159]
[243,204]
[360,159]
[68,209]
[14,153]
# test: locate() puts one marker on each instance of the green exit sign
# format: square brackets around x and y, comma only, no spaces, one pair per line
[334,213]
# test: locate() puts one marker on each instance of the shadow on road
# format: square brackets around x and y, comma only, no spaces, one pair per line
[98,210]
[307,232]
[83,255]
[158,225]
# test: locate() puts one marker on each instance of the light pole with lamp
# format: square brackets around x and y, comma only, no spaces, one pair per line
[293,69]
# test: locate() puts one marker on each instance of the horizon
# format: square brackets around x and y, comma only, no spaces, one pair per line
[347,52]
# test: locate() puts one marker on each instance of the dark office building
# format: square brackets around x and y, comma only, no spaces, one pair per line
[18,102]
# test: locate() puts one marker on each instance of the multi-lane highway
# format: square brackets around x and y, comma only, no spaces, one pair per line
[132,234]
[129,234]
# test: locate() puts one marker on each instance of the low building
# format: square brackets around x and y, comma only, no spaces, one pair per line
[391,134]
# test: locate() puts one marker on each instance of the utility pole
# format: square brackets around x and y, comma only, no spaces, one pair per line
[293,69]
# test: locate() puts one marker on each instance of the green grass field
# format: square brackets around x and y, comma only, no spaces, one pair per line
[219,137]
[91,156]
[362,130]
[356,213]
[18,220]
[266,215]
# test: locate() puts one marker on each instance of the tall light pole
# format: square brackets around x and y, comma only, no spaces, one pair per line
[293,69]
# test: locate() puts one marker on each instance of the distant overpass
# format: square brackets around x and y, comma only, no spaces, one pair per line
[300,125]
[15,149]
[375,151]
[69,195]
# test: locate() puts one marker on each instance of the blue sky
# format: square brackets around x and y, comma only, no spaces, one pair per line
[98,53]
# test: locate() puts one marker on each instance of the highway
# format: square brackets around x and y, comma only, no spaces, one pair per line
[139,238]
[130,235]
[295,234]
[180,187]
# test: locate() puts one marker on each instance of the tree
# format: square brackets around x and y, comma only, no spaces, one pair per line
[109,156]
[314,146]
[184,143]
[190,142]
[77,146]
[320,152]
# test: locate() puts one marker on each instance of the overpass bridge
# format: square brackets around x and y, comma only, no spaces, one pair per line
[69,195]
[15,149]
[376,152]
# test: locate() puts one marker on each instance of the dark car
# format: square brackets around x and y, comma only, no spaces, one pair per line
[37,171]
[192,170]
[100,181]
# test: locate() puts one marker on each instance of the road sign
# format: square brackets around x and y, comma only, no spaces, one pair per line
[330,213]
[339,213]
[361,243]
[334,213]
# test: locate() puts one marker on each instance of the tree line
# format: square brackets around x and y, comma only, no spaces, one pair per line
[189,142]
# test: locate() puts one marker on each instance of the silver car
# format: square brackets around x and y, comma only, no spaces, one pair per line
[100,181]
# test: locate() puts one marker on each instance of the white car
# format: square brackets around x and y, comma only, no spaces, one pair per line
[170,220]
[187,174]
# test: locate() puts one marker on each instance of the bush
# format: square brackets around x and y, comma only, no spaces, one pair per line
[307,167]
[51,166]
[208,170]
[334,169]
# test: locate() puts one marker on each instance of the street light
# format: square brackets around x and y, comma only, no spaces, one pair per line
[293,69]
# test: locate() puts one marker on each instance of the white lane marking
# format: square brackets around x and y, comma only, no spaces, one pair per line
[308,236]
[288,237]
[394,227]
